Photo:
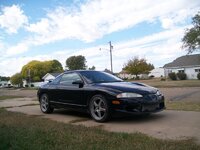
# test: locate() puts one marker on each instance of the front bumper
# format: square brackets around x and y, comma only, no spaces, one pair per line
[140,106]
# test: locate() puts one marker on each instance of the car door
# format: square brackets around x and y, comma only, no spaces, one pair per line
[53,89]
[69,93]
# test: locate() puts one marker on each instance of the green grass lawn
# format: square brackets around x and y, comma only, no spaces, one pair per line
[20,131]
[170,83]
[4,97]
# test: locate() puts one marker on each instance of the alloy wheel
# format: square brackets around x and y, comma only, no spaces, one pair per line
[99,109]
[44,103]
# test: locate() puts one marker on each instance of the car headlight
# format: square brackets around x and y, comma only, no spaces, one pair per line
[128,95]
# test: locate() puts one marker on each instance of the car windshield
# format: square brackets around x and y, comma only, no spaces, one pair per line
[99,77]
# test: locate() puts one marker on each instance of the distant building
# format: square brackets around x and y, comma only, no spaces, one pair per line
[157,72]
[124,75]
[50,76]
[189,64]
[3,83]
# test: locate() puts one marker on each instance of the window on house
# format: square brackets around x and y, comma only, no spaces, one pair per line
[180,71]
[197,70]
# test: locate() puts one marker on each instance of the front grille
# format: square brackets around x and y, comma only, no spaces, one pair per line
[133,108]
[150,107]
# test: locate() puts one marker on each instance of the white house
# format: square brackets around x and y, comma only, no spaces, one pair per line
[157,72]
[189,64]
[50,76]
[3,83]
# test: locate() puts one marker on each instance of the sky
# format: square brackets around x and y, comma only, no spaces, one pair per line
[57,29]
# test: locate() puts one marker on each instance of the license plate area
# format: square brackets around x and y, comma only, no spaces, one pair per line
[150,107]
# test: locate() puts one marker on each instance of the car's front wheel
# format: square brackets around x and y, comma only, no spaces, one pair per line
[99,108]
[45,105]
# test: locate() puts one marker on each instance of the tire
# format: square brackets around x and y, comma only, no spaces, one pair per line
[45,105]
[99,108]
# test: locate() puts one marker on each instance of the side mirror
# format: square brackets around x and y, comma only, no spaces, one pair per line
[78,82]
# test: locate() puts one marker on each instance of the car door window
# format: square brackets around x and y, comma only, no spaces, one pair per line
[67,79]
[56,80]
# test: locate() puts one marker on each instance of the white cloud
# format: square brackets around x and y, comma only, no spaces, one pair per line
[41,27]
[97,18]
[10,66]
[12,18]
[158,48]
[17,49]
[177,18]
[167,23]
[2,47]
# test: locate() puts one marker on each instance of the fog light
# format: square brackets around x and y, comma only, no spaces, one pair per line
[116,102]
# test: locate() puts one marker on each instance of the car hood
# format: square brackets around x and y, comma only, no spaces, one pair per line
[128,87]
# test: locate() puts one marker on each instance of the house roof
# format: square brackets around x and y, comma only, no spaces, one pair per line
[53,74]
[184,61]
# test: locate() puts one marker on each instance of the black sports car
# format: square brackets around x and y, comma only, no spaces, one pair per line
[99,93]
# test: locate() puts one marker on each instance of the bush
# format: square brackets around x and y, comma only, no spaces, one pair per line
[181,76]
[137,78]
[162,79]
[133,78]
[198,75]
[36,79]
[151,76]
[172,76]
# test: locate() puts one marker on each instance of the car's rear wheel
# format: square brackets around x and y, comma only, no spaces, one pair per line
[99,108]
[45,105]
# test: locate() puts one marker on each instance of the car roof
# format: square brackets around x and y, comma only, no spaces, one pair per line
[81,71]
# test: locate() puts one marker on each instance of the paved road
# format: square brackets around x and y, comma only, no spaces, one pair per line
[18,92]
[165,125]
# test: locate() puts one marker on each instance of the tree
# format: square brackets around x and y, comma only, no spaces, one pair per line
[108,71]
[16,79]
[35,70]
[2,78]
[138,66]
[191,39]
[92,68]
[76,63]
[54,66]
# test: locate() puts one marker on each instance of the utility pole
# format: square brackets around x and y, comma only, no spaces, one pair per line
[111,47]
[29,77]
